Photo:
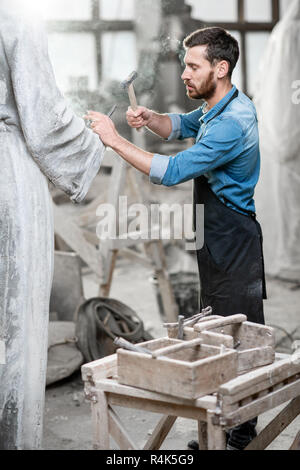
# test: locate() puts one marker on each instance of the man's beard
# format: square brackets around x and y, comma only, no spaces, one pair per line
[207,89]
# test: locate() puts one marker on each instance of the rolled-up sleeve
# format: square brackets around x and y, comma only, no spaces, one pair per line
[185,126]
[176,126]
[159,167]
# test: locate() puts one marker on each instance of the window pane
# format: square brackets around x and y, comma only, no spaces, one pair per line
[117,9]
[255,47]
[214,10]
[237,73]
[118,54]
[74,60]
[258,10]
[66,9]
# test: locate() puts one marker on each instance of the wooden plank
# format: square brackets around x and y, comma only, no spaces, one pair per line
[270,374]
[87,215]
[109,385]
[90,237]
[210,338]
[160,433]
[216,436]
[254,335]
[259,406]
[230,404]
[100,369]
[202,435]
[256,357]
[208,325]
[108,272]
[176,347]
[166,408]
[75,239]
[129,239]
[276,426]
[155,251]
[100,422]
[118,432]
[136,257]
[296,443]
[250,335]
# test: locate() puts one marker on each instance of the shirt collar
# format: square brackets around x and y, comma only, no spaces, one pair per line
[214,111]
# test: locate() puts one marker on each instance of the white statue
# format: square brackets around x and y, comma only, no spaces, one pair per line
[277,99]
[40,140]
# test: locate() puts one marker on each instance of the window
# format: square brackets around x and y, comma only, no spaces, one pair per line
[73,57]
[255,46]
[214,10]
[258,11]
[117,9]
[90,40]
[119,56]
[108,27]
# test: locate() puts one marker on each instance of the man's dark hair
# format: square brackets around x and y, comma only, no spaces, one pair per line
[220,45]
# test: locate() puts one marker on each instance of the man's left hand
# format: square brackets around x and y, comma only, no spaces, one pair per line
[103,126]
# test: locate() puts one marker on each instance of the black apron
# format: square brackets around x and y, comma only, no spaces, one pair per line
[231,265]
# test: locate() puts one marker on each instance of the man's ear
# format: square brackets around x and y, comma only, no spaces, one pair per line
[223,68]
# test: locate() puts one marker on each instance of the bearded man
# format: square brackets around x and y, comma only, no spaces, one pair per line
[224,163]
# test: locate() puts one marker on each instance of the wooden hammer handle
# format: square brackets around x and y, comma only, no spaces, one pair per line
[133,101]
[208,325]
[132,97]
[176,347]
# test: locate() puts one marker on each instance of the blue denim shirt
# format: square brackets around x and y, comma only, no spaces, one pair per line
[226,151]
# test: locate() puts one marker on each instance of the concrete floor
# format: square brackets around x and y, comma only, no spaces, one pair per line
[67,413]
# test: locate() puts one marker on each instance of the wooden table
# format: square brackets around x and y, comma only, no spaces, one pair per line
[237,401]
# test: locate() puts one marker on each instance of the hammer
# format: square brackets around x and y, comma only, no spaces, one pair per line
[128,85]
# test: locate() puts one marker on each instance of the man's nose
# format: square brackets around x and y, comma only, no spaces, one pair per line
[185,75]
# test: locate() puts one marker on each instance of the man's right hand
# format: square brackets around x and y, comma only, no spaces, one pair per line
[139,118]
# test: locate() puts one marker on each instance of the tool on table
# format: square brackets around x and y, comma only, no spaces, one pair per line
[189,321]
[122,343]
[176,347]
[128,85]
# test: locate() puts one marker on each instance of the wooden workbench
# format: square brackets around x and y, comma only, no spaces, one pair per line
[237,401]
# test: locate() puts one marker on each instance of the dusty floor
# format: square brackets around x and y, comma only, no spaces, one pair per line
[67,413]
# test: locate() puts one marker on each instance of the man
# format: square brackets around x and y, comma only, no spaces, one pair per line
[40,140]
[224,163]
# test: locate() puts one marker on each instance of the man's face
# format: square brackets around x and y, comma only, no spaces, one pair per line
[199,76]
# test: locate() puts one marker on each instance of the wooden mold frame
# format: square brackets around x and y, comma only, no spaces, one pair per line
[104,392]
[182,369]
[254,343]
